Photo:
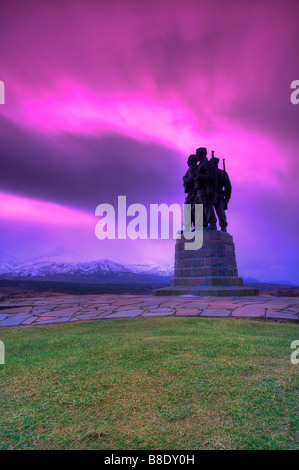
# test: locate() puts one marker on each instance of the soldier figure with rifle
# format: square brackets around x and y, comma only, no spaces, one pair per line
[206,184]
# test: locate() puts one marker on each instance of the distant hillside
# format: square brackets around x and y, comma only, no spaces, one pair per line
[270,285]
[65,266]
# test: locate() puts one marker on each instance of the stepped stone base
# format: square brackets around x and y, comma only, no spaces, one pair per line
[210,271]
[216,291]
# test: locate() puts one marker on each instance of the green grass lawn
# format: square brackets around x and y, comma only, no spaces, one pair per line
[150,383]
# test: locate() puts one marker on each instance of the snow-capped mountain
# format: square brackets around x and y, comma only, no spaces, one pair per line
[66,265]
[8,263]
[60,255]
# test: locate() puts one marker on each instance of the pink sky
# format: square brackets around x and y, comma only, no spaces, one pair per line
[91,88]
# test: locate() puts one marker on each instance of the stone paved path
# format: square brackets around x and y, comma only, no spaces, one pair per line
[72,308]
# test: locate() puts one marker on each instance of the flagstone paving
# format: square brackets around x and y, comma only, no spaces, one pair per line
[70,308]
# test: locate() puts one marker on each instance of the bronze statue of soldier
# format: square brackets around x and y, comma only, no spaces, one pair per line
[208,185]
[204,184]
[223,194]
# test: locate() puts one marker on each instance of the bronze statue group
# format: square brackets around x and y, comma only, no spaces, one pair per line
[208,185]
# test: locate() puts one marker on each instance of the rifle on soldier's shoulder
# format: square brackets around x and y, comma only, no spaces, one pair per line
[213,188]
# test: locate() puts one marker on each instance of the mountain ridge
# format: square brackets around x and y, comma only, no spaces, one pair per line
[66,265]
[58,266]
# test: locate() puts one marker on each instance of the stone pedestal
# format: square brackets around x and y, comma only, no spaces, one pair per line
[211,270]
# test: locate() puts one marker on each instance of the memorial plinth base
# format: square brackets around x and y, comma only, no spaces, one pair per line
[209,271]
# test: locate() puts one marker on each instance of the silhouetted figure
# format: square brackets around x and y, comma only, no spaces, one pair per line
[188,181]
[223,194]
[204,185]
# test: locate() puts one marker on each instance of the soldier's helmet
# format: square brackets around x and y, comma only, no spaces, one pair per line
[201,151]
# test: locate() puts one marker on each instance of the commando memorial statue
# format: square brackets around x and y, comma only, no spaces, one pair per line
[212,269]
[208,185]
